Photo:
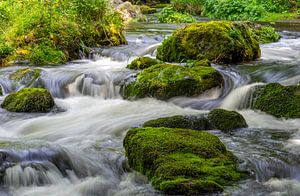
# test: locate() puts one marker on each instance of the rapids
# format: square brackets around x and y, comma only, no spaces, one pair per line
[77,148]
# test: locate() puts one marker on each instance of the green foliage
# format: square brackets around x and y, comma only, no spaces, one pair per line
[29,100]
[226,120]
[147,10]
[279,101]
[164,81]
[52,32]
[184,122]
[142,63]
[267,34]
[169,15]
[236,9]
[181,161]
[217,41]
[194,7]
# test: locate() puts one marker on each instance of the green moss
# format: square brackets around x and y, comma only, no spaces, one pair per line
[164,81]
[278,100]
[29,100]
[142,63]
[204,62]
[181,161]
[217,41]
[267,34]
[184,122]
[147,10]
[226,120]
[26,76]
[169,15]
[1,91]
[279,16]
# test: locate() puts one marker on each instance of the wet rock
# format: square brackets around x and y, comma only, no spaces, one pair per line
[164,81]
[278,100]
[226,120]
[181,161]
[29,100]
[142,63]
[217,41]
[184,122]
[27,77]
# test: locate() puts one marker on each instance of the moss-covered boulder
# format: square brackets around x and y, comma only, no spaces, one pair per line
[226,120]
[147,10]
[29,100]
[1,91]
[204,62]
[181,161]
[26,76]
[278,100]
[142,63]
[164,81]
[184,122]
[266,34]
[217,41]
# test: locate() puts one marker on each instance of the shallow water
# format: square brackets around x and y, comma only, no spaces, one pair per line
[77,149]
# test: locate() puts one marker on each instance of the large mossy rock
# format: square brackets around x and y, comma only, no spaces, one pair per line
[27,77]
[278,100]
[142,63]
[217,41]
[184,122]
[29,100]
[181,161]
[164,81]
[225,120]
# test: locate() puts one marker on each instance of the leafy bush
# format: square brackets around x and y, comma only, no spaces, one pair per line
[51,32]
[169,15]
[233,10]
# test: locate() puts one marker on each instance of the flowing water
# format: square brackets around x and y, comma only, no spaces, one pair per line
[77,148]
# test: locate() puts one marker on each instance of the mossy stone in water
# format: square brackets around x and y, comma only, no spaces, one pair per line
[147,10]
[181,161]
[164,81]
[26,76]
[266,34]
[217,41]
[1,91]
[142,63]
[278,100]
[29,100]
[184,122]
[226,120]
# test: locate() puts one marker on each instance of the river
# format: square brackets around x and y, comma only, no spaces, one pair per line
[77,148]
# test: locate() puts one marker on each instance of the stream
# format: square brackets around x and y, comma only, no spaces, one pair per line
[77,148]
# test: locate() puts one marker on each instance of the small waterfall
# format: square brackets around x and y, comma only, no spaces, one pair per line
[240,98]
[100,85]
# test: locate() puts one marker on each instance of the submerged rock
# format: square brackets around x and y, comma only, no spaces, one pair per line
[278,100]
[181,161]
[27,76]
[29,100]
[142,63]
[184,122]
[164,81]
[226,120]
[217,41]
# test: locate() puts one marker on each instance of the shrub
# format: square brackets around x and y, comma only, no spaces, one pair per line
[169,15]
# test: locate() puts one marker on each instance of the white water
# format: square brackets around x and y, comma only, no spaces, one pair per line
[78,151]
